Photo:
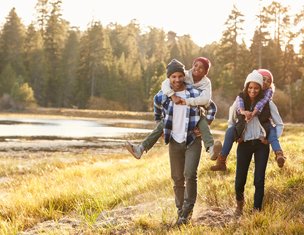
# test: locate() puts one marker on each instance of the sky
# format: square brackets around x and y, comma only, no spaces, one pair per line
[201,19]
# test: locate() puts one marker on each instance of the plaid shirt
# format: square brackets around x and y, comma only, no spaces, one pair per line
[260,105]
[209,111]
[163,109]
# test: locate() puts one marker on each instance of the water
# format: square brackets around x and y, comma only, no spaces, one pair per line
[51,134]
[71,128]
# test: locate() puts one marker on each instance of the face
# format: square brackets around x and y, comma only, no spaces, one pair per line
[266,82]
[177,81]
[198,70]
[253,90]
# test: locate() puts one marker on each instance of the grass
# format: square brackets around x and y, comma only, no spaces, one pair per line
[117,194]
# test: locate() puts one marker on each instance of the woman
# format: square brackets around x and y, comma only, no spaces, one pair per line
[250,145]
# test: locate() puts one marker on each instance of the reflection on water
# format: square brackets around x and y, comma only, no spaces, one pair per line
[72,128]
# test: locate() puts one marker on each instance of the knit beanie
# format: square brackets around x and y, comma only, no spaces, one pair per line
[266,73]
[206,63]
[175,66]
[254,76]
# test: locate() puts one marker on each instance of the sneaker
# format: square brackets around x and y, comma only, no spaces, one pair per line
[135,150]
[215,150]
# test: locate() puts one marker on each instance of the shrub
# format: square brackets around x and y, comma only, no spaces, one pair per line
[104,104]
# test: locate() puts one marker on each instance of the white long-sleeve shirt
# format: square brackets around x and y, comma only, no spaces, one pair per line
[275,116]
[204,85]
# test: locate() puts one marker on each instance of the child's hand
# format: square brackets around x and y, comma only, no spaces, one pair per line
[182,101]
[176,99]
[248,117]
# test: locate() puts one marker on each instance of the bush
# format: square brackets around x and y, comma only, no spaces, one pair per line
[104,104]
[20,98]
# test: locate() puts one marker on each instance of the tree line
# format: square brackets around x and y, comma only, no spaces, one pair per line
[51,64]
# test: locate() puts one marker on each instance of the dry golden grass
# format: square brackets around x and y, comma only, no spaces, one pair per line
[91,193]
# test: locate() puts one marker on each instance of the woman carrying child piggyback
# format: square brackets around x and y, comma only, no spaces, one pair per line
[252,145]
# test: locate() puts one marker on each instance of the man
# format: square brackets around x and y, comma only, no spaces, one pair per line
[184,146]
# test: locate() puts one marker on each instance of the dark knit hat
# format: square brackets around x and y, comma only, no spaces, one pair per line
[175,66]
[205,62]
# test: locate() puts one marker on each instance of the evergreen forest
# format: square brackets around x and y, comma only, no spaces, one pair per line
[113,67]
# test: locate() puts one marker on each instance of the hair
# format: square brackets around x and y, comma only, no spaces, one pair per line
[258,97]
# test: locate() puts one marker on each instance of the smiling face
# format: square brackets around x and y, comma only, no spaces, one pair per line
[198,71]
[266,82]
[177,81]
[253,90]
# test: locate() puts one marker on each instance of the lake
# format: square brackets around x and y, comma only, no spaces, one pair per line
[51,134]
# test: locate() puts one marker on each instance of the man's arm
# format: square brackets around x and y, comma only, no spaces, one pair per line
[211,111]
[157,107]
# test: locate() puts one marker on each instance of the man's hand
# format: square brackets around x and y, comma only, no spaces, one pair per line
[197,132]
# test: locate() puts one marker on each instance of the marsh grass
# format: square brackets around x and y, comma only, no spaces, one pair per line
[117,194]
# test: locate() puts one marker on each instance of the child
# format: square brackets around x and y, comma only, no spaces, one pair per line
[197,77]
[234,132]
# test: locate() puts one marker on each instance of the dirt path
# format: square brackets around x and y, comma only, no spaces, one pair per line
[126,217]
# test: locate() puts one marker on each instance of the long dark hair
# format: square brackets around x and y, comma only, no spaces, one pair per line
[245,96]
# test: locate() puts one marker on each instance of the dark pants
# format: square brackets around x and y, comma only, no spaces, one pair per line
[245,151]
[184,162]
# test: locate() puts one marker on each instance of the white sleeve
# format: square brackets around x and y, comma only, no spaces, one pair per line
[232,115]
[166,88]
[277,120]
[204,97]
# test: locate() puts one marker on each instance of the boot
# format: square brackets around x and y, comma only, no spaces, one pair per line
[279,157]
[220,164]
[239,208]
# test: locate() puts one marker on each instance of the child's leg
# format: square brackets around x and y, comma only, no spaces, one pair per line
[227,145]
[273,140]
[276,147]
[230,136]
[148,142]
[153,137]
[205,132]
[214,148]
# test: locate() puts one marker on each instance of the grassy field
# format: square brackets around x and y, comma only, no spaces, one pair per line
[91,193]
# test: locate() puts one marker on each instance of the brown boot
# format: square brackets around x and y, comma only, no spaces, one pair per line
[239,208]
[220,164]
[280,158]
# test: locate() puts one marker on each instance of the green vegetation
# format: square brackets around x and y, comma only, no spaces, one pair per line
[116,67]
[93,193]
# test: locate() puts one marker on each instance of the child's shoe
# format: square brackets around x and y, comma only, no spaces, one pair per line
[135,150]
[280,158]
[215,150]
[220,164]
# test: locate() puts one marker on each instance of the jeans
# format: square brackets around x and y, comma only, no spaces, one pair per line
[245,151]
[184,162]
[228,141]
[273,139]
[203,126]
